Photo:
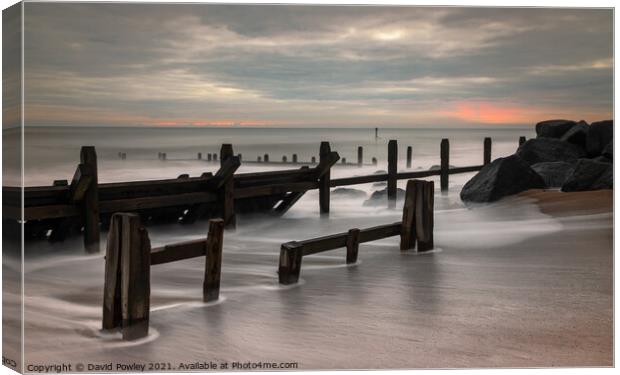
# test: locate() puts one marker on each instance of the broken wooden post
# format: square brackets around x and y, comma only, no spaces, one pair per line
[487,150]
[266,158]
[353,244]
[324,181]
[211,285]
[445,163]
[407,232]
[291,254]
[200,156]
[409,156]
[374,161]
[392,170]
[360,156]
[127,277]
[521,140]
[90,199]
[425,201]
[226,151]
[294,158]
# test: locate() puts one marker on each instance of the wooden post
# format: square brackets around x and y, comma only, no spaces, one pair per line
[239,156]
[200,156]
[487,150]
[360,156]
[214,157]
[127,277]
[392,170]
[409,156]
[521,140]
[344,160]
[374,161]
[353,244]
[226,151]
[324,181]
[407,232]
[163,156]
[291,254]
[266,158]
[90,201]
[208,156]
[424,221]
[445,163]
[284,159]
[313,160]
[259,159]
[211,285]
[294,158]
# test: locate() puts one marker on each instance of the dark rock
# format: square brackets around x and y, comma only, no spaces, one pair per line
[608,151]
[504,176]
[541,150]
[590,175]
[348,193]
[577,135]
[554,173]
[438,167]
[379,197]
[553,128]
[602,159]
[600,134]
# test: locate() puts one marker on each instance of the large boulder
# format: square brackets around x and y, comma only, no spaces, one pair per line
[553,128]
[590,175]
[541,150]
[600,134]
[379,197]
[504,176]
[554,173]
[577,135]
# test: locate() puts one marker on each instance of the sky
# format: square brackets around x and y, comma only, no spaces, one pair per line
[253,65]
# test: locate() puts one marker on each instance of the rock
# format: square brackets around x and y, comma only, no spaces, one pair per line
[600,134]
[590,175]
[577,135]
[438,167]
[504,176]
[541,150]
[348,193]
[608,151]
[553,128]
[554,173]
[379,197]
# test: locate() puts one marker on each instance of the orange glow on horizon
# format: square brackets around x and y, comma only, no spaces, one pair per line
[493,113]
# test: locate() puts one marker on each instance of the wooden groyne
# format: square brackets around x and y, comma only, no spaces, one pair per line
[416,226]
[84,205]
[129,257]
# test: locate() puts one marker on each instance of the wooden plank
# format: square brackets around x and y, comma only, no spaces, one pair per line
[325,164]
[90,201]
[324,184]
[178,251]
[112,315]
[135,277]
[213,264]
[324,243]
[358,180]
[379,232]
[487,151]
[408,230]
[226,171]
[392,171]
[353,244]
[445,164]
[134,204]
[81,181]
[275,189]
[289,200]
[289,268]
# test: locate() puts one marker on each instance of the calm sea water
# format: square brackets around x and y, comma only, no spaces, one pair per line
[482,298]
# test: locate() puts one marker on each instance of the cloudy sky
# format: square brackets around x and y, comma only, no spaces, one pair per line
[197,65]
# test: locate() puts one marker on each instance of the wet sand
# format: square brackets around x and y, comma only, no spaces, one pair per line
[508,287]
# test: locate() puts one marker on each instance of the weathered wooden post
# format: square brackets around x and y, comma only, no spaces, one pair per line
[445,163]
[313,160]
[521,140]
[344,160]
[127,277]
[487,150]
[259,159]
[392,170]
[407,232]
[360,156]
[266,158]
[324,181]
[353,244]
[291,254]
[209,156]
[284,159]
[425,222]
[211,285]
[200,156]
[163,156]
[227,190]
[294,158]
[374,161]
[214,157]
[240,157]
[90,200]
[409,156]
